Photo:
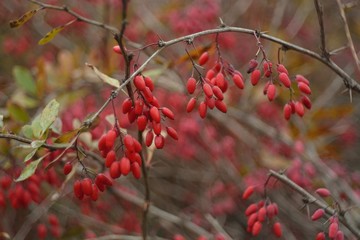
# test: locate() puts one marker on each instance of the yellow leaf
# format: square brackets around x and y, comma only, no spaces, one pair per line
[23,19]
[109,80]
[50,35]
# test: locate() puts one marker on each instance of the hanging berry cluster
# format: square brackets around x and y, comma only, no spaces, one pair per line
[213,85]
[257,213]
[147,113]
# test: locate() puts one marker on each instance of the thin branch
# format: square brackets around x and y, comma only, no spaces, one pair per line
[313,200]
[77,16]
[320,13]
[348,35]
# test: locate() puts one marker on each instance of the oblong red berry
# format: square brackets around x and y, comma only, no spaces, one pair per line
[287,111]
[301,78]
[202,109]
[149,83]
[210,74]
[262,214]
[256,228]
[317,214]
[191,105]
[141,122]
[248,192]
[139,105]
[277,229]
[156,127]
[221,106]
[252,65]
[251,209]
[78,190]
[320,236]
[323,192]
[304,88]
[126,106]
[67,168]
[115,170]
[210,102]
[95,193]
[159,141]
[282,69]
[104,179]
[168,113]
[255,77]
[124,166]
[110,158]
[333,229]
[191,85]
[41,231]
[271,92]
[155,114]
[117,49]
[172,133]
[218,93]
[135,169]
[207,90]
[203,58]
[129,142]
[299,109]
[339,235]
[238,80]
[252,219]
[139,82]
[284,79]
[149,138]
[86,186]
[306,102]
[110,139]
[220,81]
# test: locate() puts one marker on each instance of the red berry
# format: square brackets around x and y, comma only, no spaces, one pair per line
[277,229]
[95,193]
[139,82]
[102,143]
[256,228]
[191,85]
[135,169]
[149,83]
[124,166]
[221,106]
[284,79]
[110,158]
[115,170]
[202,109]
[287,111]
[139,105]
[141,122]
[251,209]
[191,105]
[172,133]
[323,192]
[252,65]
[5,182]
[320,236]
[129,142]
[318,214]
[238,80]
[156,127]
[148,94]
[271,212]
[220,81]
[203,58]
[210,74]
[110,139]
[306,102]
[159,141]
[218,93]
[137,145]
[248,192]
[262,214]
[117,49]
[126,105]
[78,189]
[255,77]
[282,69]
[155,114]
[210,102]
[267,68]
[339,235]
[101,178]
[149,138]
[300,78]
[207,90]
[299,109]
[271,92]
[252,219]
[333,229]
[67,168]
[41,231]
[304,88]
[53,220]
[86,186]
[168,113]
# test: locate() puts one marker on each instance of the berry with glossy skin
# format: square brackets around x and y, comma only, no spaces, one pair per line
[139,82]
[256,229]
[323,192]
[306,102]
[191,105]
[67,168]
[304,88]
[141,122]
[191,85]
[136,170]
[159,141]
[238,80]
[115,170]
[125,166]
[299,109]
[149,138]
[78,190]
[86,186]
[155,114]
[318,214]
[320,236]
[168,113]
[221,106]
[203,58]
[110,138]
[277,229]
[284,79]
[287,111]
[202,109]
[271,92]
[41,231]
[333,229]
[248,192]
[126,106]
[172,133]
[255,77]
[252,65]
[207,90]
[282,69]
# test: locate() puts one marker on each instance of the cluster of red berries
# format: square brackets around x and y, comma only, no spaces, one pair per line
[213,85]
[54,226]
[283,79]
[333,230]
[147,113]
[129,162]
[86,187]
[257,213]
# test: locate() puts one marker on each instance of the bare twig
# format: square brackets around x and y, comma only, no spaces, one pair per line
[320,13]
[313,200]
[348,35]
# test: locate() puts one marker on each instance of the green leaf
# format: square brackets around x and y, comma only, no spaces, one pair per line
[1,121]
[109,80]
[30,155]
[50,35]
[24,79]
[17,113]
[48,115]
[36,127]
[23,19]
[37,143]
[30,169]
[66,137]
[27,131]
